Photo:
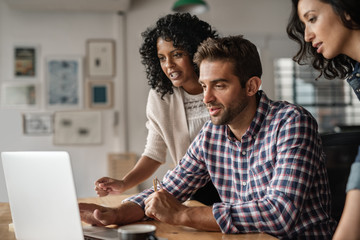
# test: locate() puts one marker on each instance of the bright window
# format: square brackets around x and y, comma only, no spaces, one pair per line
[331,102]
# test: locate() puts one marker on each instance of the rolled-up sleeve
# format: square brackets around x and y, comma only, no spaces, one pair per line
[188,176]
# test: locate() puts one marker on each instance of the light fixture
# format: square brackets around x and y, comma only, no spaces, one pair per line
[191,6]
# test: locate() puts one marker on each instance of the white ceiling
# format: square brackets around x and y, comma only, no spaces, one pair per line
[71,5]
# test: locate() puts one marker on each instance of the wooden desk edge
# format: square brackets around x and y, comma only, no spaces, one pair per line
[164,230]
[179,232]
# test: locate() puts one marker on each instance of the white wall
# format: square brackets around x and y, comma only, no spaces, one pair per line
[59,33]
[65,33]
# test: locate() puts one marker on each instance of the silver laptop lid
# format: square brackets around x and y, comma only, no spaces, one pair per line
[42,195]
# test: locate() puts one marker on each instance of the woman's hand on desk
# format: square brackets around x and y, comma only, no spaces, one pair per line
[105,186]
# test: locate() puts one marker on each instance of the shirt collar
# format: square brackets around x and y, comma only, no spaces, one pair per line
[261,112]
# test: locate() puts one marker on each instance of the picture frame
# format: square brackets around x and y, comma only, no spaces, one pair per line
[64,82]
[25,63]
[100,94]
[77,127]
[100,58]
[21,94]
[37,123]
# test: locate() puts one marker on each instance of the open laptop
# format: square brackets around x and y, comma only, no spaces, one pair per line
[42,198]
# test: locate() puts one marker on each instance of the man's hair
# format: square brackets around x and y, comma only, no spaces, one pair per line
[185,31]
[235,49]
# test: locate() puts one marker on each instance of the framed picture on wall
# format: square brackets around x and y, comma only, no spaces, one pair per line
[100,94]
[64,82]
[20,94]
[77,127]
[37,123]
[100,58]
[25,61]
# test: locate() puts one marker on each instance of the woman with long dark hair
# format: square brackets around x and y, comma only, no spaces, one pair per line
[328,32]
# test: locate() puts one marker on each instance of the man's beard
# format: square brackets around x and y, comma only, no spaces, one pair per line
[229,113]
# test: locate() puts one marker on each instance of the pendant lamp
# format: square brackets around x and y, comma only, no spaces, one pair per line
[190,6]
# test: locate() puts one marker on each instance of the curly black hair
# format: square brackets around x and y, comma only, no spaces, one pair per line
[185,31]
[339,66]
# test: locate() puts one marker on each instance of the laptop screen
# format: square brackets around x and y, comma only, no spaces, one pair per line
[42,195]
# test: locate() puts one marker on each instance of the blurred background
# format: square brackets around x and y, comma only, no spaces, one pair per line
[65,30]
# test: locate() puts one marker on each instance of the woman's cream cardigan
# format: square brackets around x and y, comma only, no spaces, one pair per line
[167,126]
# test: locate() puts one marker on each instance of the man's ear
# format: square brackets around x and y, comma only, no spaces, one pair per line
[253,85]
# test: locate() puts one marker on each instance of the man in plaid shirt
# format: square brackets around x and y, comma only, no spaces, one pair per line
[265,159]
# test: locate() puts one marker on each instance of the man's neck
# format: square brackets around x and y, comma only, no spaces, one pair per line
[243,122]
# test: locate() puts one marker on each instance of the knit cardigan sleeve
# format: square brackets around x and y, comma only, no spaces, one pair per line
[167,126]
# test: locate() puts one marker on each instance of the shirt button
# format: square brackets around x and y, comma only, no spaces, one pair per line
[357,75]
[243,153]
[244,184]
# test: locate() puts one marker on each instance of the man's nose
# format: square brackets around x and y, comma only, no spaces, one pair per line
[208,96]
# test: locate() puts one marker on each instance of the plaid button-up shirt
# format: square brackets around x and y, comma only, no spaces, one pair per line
[272,180]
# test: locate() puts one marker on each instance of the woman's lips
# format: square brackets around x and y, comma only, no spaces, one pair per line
[318,47]
[174,75]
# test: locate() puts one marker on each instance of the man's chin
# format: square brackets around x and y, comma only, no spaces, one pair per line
[216,121]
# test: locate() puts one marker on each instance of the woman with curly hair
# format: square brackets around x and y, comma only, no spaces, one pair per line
[175,110]
[328,32]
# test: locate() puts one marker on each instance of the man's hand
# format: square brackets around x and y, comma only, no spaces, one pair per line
[106,185]
[162,206]
[97,215]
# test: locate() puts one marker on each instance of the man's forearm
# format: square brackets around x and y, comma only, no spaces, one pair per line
[129,212]
[200,218]
[101,216]
[164,207]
